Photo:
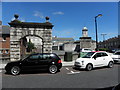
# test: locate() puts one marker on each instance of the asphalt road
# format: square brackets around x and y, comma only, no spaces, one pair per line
[66,78]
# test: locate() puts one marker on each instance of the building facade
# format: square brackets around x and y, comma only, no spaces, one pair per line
[85,41]
[58,43]
[4,43]
[69,44]
[112,43]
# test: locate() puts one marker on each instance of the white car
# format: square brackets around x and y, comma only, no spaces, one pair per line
[116,56]
[86,50]
[94,59]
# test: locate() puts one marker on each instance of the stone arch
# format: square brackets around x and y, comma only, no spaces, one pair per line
[20,30]
[23,44]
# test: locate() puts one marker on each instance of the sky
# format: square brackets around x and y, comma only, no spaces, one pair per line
[68,18]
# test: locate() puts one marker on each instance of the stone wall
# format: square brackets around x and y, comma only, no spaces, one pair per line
[74,57]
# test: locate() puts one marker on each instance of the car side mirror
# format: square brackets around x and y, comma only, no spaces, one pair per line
[95,57]
[50,57]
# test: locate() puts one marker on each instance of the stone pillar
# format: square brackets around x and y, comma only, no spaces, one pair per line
[47,41]
[85,42]
[14,44]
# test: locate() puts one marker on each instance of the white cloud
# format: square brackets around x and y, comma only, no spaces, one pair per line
[58,13]
[21,19]
[38,14]
[12,19]
[67,33]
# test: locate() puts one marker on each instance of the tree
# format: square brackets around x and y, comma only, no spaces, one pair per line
[30,46]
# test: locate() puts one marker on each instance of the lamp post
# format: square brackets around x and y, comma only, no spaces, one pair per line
[103,34]
[96,30]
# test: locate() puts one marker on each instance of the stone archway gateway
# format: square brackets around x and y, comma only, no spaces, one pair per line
[19,30]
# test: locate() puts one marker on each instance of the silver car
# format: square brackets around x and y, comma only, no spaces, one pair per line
[116,56]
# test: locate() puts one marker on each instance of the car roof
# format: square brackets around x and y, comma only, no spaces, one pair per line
[118,51]
[98,51]
[42,53]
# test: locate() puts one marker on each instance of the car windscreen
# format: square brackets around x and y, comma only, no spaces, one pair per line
[88,49]
[117,53]
[88,55]
[25,57]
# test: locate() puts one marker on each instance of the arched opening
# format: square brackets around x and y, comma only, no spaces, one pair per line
[30,44]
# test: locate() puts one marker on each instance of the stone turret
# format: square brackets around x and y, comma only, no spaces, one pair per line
[84,32]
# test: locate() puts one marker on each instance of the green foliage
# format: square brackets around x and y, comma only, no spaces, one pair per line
[30,46]
[103,49]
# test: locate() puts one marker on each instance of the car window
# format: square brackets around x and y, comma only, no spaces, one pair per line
[45,56]
[100,55]
[88,49]
[104,54]
[54,57]
[88,55]
[117,53]
[33,58]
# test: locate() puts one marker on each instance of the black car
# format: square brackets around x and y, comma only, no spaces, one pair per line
[38,61]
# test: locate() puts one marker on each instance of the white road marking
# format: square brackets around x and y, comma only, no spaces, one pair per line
[67,69]
[0,70]
[73,72]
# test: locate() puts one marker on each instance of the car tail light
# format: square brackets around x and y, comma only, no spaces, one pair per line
[59,61]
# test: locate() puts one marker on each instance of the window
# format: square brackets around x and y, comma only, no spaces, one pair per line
[33,58]
[104,54]
[101,54]
[98,55]
[88,55]
[1,51]
[6,51]
[45,56]
[4,38]
[117,53]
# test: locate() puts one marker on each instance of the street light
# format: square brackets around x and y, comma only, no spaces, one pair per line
[103,34]
[96,30]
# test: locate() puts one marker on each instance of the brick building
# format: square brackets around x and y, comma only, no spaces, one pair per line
[112,43]
[4,42]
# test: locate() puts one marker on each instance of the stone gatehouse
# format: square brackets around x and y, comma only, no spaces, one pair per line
[20,30]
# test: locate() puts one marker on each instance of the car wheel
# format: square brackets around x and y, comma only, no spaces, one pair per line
[89,67]
[53,69]
[110,65]
[15,70]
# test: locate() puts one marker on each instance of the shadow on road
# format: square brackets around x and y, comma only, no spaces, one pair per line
[98,68]
[33,72]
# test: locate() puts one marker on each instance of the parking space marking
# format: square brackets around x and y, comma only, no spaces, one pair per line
[67,69]
[72,72]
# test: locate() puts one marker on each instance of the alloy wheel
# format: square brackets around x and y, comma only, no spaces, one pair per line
[15,70]
[53,69]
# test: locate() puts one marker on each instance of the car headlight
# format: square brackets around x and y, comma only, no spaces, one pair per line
[82,62]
